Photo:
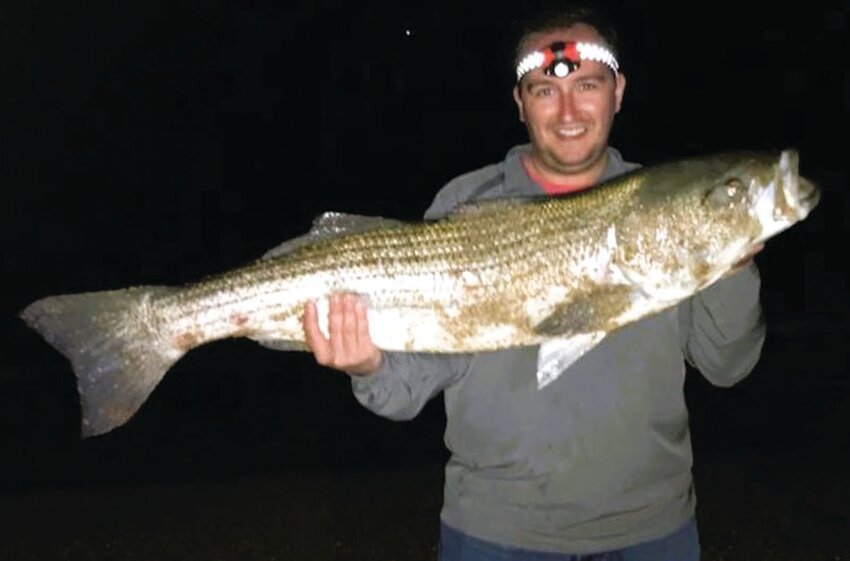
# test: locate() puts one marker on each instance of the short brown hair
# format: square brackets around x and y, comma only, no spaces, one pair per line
[561,16]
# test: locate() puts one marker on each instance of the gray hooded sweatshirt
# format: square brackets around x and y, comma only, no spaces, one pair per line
[601,458]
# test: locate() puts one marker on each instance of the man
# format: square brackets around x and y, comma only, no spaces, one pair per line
[599,462]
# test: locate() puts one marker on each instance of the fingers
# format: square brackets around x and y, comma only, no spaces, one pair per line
[343,325]
[316,341]
[348,346]
[336,330]
[362,327]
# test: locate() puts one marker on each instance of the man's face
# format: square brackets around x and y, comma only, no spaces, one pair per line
[569,119]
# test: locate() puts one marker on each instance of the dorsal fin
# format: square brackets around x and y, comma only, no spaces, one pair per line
[491,205]
[495,204]
[331,225]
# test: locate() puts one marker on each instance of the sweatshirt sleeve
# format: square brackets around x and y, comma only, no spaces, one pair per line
[723,329]
[406,381]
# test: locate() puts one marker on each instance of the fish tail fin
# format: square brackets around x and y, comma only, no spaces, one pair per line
[115,348]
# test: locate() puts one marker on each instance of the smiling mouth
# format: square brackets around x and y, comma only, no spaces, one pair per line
[570,132]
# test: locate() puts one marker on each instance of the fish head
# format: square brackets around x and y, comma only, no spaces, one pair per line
[749,198]
[695,220]
[783,198]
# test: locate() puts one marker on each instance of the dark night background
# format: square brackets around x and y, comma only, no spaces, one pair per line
[156,142]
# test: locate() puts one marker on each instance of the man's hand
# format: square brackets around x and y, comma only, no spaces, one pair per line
[349,346]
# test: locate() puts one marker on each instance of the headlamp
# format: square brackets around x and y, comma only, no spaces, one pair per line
[562,57]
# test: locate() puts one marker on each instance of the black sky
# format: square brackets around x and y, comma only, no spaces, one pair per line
[156,142]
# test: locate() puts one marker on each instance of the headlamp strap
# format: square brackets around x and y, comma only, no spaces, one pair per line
[562,57]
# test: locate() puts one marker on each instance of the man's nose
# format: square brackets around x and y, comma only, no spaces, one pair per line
[567,106]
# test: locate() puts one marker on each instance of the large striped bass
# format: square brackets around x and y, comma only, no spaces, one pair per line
[558,272]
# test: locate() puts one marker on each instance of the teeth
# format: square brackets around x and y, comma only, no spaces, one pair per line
[573,131]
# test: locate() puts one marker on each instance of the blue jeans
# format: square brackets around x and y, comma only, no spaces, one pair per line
[681,545]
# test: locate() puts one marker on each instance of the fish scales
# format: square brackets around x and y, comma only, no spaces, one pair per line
[369,251]
[559,271]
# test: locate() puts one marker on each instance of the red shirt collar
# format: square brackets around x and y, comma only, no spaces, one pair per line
[550,187]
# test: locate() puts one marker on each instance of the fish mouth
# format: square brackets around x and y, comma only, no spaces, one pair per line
[785,199]
[809,194]
[795,195]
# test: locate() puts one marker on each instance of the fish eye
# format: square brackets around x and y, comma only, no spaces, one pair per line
[727,193]
[734,186]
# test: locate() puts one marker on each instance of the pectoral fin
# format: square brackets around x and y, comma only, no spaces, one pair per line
[586,311]
[577,326]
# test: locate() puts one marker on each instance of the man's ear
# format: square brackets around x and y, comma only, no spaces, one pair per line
[518,100]
[619,90]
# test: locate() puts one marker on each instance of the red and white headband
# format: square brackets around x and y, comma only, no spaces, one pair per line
[562,57]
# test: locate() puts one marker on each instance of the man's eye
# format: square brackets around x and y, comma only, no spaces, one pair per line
[543,92]
[588,86]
